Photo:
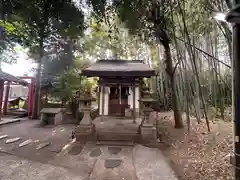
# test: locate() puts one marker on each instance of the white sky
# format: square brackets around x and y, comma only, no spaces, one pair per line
[24,65]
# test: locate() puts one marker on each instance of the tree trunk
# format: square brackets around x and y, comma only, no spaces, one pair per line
[170,72]
[36,104]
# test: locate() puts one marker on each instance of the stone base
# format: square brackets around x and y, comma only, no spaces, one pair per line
[84,132]
[148,133]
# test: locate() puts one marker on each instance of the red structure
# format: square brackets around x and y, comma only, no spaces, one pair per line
[31,88]
[9,78]
[25,81]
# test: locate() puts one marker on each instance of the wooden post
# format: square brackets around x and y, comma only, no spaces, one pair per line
[120,94]
[103,100]
[5,105]
[99,95]
[134,101]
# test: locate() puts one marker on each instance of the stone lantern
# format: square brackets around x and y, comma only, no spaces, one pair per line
[146,101]
[148,131]
[85,106]
[86,128]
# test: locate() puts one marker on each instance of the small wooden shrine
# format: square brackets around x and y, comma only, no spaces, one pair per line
[119,82]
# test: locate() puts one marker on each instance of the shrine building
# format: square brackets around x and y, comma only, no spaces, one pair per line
[119,85]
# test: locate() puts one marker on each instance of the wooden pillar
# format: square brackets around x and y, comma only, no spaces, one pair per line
[31,91]
[103,100]
[99,96]
[5,105]
[134,103]
[120,94]
[1,96]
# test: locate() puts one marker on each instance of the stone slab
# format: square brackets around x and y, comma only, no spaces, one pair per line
[112,163]
[51,110]
[9,121]
[3,136]
[43,145]
[12,140]
[25,143]
[114,168]
[96,152]
[151,164]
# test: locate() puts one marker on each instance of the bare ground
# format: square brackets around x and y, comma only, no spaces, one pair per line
[199,154]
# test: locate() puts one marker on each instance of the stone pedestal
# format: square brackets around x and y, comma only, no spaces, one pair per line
[84,132]
[87,120]
[148,133]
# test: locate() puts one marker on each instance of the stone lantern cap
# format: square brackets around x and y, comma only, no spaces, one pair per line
[147,98]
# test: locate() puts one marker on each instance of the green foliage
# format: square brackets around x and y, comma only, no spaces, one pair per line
[70,83]
[109,38]
[8,28]
[45,22]
[148,19]
[196,19]
[66,86]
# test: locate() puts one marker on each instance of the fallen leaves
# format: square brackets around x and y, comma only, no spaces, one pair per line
[200,155]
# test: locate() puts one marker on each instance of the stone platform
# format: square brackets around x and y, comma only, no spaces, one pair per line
[116,129]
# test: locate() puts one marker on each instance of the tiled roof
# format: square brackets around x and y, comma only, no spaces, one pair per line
[8,77]
[119,68]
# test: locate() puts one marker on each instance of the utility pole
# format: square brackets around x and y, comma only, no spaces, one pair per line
[234,18]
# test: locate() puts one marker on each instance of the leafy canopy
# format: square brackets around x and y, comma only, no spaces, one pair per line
[45,23]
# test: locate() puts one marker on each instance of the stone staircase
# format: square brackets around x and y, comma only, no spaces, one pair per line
[119,134]
[116,143]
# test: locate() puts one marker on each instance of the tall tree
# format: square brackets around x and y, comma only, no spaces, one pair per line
[45,24]
[151,20]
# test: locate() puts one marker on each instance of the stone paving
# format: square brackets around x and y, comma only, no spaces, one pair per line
[15,168]
[117,163]
[42,147]
[27,139]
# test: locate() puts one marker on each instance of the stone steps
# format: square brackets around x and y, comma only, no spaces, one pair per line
[117,136]
[115,143]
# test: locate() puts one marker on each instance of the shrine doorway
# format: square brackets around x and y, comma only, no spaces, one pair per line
[118,100]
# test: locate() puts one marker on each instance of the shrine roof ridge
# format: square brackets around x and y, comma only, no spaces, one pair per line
[8,77]
[118,68]
[121,61]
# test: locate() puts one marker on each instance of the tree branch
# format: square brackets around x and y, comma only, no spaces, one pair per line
[175,67]
[204,52]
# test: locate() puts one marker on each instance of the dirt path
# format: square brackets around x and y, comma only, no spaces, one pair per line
[12,167]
